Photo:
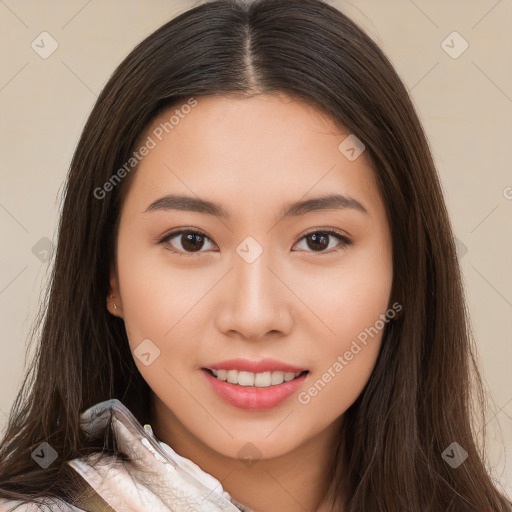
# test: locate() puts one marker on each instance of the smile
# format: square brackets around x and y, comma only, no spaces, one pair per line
[254,391]
[259,380]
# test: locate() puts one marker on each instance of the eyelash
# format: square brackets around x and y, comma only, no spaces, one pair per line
[344,241]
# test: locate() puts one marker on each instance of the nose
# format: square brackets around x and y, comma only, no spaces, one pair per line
[255,301]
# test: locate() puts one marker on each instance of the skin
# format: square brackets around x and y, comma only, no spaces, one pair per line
[298,302]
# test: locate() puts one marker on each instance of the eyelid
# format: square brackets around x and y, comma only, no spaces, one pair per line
[330,231]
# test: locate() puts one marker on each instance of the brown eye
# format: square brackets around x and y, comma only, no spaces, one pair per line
[190,241]
[319,241]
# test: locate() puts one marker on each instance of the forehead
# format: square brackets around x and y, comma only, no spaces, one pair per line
[246,152]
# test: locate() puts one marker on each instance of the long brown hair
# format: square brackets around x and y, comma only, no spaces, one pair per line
[418,400]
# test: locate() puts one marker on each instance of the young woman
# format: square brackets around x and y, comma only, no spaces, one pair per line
[256,302]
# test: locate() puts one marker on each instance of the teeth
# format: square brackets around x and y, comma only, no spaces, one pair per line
[259,380]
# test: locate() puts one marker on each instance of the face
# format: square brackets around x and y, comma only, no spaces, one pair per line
[309,289]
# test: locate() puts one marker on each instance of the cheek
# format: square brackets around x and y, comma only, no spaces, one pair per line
[332,390]
[344,361]
[352,303]
[157,308]
[155,292]
[158,302]
[348,297]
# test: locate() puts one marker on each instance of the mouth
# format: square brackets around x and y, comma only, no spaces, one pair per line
[254,392]
[254,380]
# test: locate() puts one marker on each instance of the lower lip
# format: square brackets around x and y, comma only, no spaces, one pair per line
[252,398]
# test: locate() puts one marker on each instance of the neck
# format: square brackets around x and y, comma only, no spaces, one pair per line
[298,480]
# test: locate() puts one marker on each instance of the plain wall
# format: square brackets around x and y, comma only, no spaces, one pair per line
[465,104]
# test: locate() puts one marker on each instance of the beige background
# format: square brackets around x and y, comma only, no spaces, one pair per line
[465,104]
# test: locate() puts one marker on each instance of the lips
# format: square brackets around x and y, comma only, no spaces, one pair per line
[254,399]
[250,397]
[264,365]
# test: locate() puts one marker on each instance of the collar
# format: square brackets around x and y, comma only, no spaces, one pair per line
[154,477]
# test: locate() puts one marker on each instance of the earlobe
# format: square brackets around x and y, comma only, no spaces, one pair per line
[114,305]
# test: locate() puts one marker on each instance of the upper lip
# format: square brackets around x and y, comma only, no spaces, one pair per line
[264,365]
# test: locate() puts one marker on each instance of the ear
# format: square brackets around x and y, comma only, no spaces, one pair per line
[114,305]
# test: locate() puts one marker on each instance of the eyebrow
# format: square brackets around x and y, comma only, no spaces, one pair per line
[195,204]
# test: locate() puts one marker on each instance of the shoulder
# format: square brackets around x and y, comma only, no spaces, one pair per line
[49,506]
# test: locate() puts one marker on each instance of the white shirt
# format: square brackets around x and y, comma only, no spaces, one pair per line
[155,478]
